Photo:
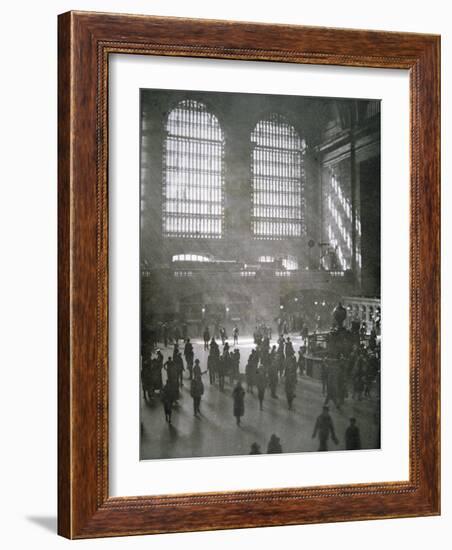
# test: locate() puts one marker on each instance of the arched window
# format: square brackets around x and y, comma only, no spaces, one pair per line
[278,179]
[193,173]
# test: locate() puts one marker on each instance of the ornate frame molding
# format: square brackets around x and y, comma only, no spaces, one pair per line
[85,42]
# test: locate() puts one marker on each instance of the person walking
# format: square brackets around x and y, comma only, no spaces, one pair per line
[324,427]
[261,383]
[197,369]
[238,395]
[352,436]
[290,382]
[235,334]
[179,368]
[167,400]
[196,391]
[189,355]
[212,367]
[206,337]
[273,376]
[221,368]
[250,372]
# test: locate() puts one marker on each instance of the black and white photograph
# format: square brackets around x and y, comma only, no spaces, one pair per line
[261,327]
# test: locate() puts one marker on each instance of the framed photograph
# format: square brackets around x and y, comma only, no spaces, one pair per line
[248,275]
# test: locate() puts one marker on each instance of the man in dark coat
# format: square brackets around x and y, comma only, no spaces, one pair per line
[352,436]
[214,348]
[172,380]
[206,336]
[196,391]
[189,355]
[290,382]
[324,427]
[250,372]
[238,395]
[289,351]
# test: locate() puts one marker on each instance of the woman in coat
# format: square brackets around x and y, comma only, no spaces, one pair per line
[238,396]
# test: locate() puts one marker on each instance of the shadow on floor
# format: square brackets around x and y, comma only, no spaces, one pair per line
[49,523]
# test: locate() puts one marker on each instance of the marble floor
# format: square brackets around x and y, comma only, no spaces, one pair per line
[215,432]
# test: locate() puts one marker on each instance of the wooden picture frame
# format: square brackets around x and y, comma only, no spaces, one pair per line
[86,40]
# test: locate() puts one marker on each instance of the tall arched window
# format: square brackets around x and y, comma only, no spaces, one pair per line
[278,179]
[193,173]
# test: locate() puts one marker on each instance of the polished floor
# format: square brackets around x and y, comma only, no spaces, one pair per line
[215,432]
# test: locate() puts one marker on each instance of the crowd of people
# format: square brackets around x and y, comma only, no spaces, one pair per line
[269,371]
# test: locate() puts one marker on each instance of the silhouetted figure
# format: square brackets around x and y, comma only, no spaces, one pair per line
[146,373]
[324,428]
[214,348]
[222,366]
[250,372]
[301,360]
[235,364]
[167,400]
[261,383]
[238,395]
[189,355]
[223,335]
[235,334]
[196,391]
[212,367]
[289,385]
[197,369]
[274,445]
[165,334]
[206,336]
[289,351]
[255,449]
[179,368]
[175,350]
[273,376]
[352,436]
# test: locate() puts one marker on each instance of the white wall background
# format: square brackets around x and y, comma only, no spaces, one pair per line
[28,237]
